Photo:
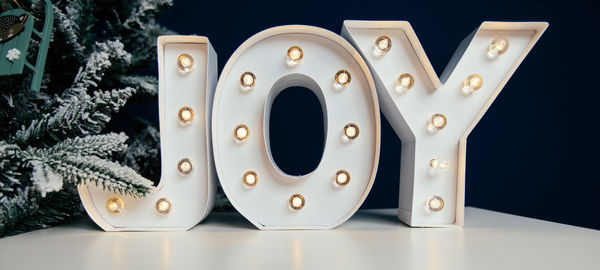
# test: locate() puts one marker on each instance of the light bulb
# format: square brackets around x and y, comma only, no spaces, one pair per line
[294,55]
[439,164]
[472,83]
[184,166]
[250,178]
[115,205]
[342,177]
[351,131]
[382,45]
[241,133]
[437,121]
[297,201]
[444,165]
[498,46]
[186,115]
[185,62]
[163,206]
[247,80]
[404,82]
[434,163]
[435,204]
[342,78]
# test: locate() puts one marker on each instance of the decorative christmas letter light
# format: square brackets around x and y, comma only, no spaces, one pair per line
[187,68]
[268,63]
[435,117]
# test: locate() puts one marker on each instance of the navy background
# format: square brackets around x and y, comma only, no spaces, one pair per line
[535,151]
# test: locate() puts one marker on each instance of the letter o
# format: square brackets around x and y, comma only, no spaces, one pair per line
[261,68]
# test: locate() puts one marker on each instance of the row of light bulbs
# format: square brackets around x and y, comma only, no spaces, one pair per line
[185,62]
[116,205]
[404,82]
[342,178]
[241,133]
[438,121]
[296,201]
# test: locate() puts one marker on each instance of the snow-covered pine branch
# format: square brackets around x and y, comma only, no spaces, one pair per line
[76,116]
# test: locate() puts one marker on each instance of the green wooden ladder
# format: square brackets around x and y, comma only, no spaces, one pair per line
[21,43]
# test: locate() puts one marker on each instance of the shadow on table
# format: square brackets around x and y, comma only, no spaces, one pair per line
[226,220]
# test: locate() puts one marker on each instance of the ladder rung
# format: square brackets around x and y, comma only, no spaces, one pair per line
[30,66]
[37,33]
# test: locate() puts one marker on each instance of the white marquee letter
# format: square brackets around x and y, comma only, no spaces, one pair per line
[433,116]
[187,68]
[256,73]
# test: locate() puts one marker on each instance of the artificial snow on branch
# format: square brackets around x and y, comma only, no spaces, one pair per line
[78,115]
[146,10]
[82,161]
[19,207]
[97,64]
[70,31]
[145,85]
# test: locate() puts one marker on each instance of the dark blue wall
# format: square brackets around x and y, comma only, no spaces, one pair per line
[534,153]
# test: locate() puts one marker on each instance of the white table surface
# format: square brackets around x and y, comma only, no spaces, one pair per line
[372,239]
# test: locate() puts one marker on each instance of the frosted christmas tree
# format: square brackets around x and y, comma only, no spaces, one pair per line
[55,139]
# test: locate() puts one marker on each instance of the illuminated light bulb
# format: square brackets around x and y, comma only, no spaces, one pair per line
[434,163]
[498,46]
[185,62]
[184,166]
[294,55]
[342,177]
[250,178]
[437,121]
[342,78]
[439,164]
[186,115]
[115,205]
[351,131]
[382,45]
[163,206]
[241,133]
[404,82]
[435,204]
[472,83]
[297,201]
[444,165]
[247,80]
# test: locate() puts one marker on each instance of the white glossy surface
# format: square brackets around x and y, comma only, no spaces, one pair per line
[372,239]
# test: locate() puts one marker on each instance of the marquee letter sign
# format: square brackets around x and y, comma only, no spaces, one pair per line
[261,68]
[187,69]
[433,116]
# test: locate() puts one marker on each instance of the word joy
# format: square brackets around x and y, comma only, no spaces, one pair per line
[217,128]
